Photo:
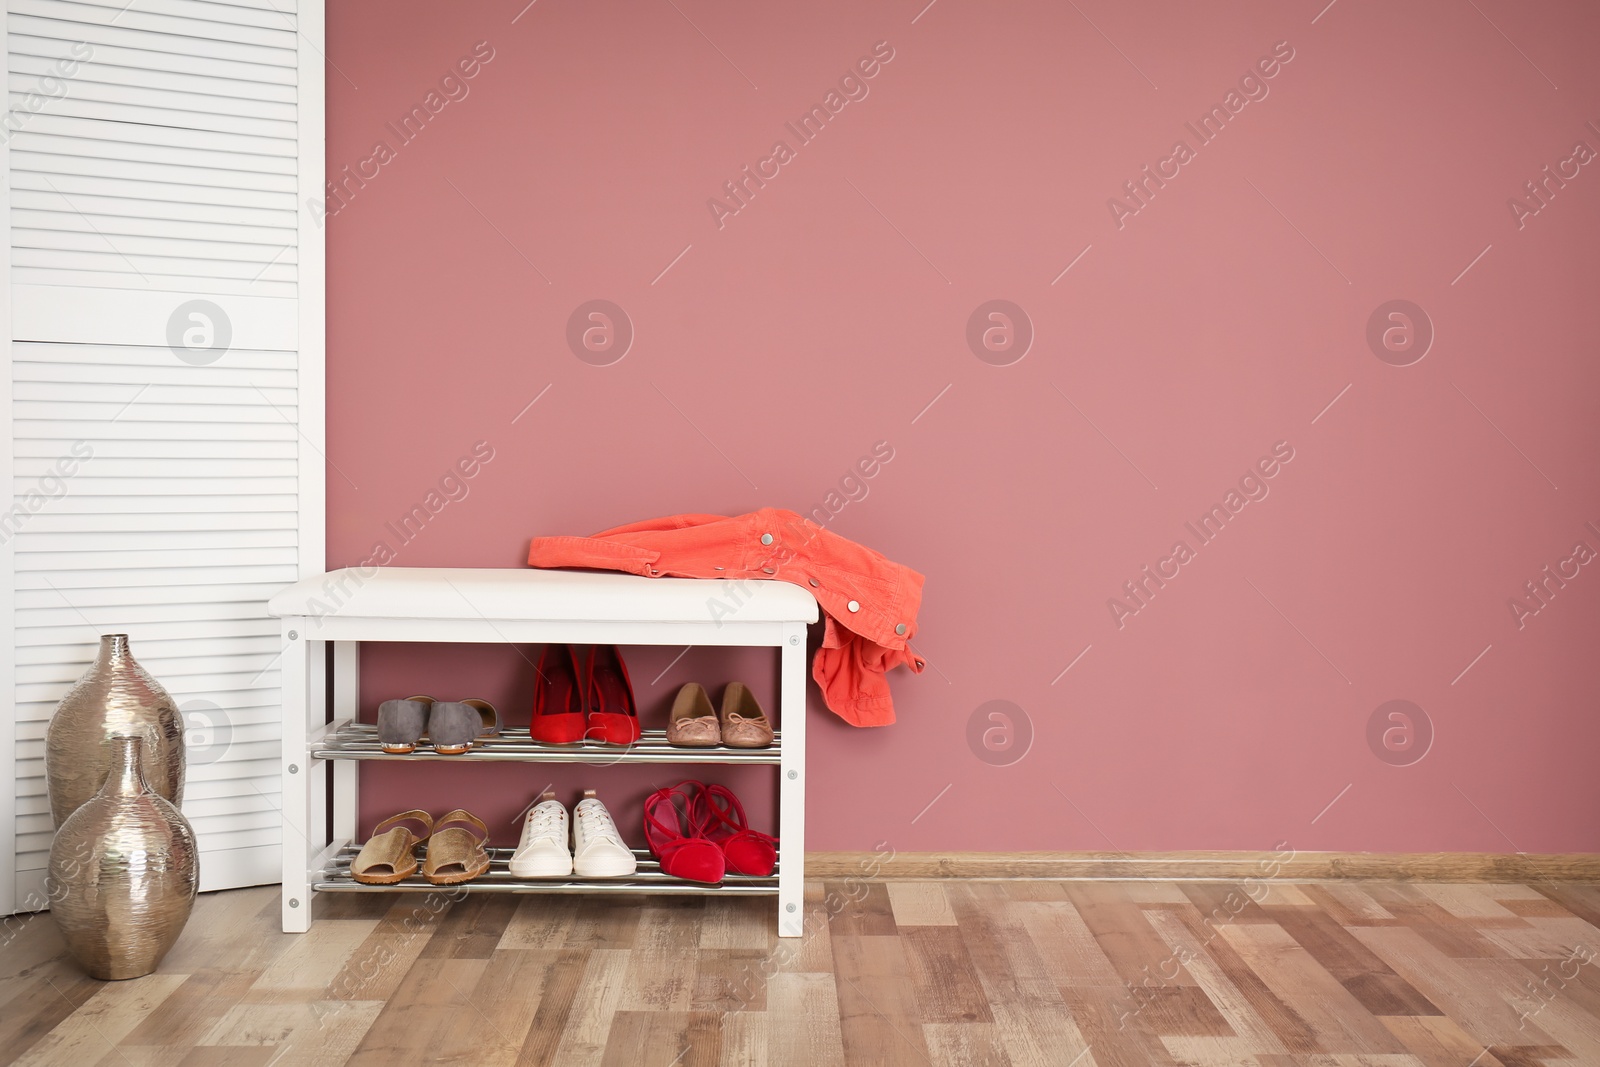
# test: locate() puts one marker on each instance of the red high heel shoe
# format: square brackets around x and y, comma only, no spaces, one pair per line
[682,855]
[557,698]
[613,715]
[716,814]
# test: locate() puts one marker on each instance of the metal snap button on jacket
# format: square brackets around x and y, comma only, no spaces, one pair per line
[853,606]
[900,628]
[766,539]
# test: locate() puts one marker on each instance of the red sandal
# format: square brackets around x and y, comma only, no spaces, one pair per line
[716,814]
[682,855]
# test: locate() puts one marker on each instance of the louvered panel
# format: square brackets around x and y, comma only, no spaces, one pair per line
[202,390]
[131,363]
[281,221]
[269,13]
[47,161]
[139,509]
[168,275]
[174,135]
[162,144]
[127,598]
[162,162]
[157,449]
[154,397]
[152,255]
[167,172]
[99,80]
[44,278]
[199,111]
[210,557]
[114,224]
[148,51]
[228,842]
[274,48]
[175,539]
[156,578]
[124,452]
[81,105]
[54,621]
[132,409]
[59,184]
[194,20]
[30,469]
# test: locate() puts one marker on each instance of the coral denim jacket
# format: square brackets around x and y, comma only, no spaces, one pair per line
[870,602]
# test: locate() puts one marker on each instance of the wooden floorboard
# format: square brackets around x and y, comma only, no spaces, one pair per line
[942,971]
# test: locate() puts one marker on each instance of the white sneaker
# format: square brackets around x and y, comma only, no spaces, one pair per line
[542,852]
[597,848]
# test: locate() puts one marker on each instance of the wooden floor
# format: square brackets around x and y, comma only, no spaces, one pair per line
[1054,974]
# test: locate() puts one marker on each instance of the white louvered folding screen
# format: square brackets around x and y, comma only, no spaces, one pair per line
[165,385]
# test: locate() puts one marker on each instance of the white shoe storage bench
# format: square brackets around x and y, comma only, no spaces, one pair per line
[348,607]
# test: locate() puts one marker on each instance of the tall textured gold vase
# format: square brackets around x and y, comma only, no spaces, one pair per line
[123,872]
[114,696]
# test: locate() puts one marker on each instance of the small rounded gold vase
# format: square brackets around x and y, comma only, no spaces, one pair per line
[123,872]
[114,696]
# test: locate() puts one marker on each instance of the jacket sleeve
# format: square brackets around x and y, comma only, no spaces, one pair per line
[590,552]
[850,670]
[660,525]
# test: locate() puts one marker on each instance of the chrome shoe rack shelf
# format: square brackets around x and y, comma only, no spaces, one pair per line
[346,608]
[348,740]
[335,878]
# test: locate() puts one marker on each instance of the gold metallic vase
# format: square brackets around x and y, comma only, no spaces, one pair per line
[114,696]
[123,872]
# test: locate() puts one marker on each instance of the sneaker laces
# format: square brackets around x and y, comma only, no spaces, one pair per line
[596,822]
[545,822]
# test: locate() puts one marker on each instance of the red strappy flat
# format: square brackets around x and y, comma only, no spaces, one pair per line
[716,814]
[682,854]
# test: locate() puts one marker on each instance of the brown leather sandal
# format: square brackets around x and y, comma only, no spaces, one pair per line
[456,851]
[389,855]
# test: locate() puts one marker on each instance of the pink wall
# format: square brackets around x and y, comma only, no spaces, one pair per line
[1228,314]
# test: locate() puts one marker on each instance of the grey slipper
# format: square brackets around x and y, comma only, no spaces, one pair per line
[455,724]
[400,723]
